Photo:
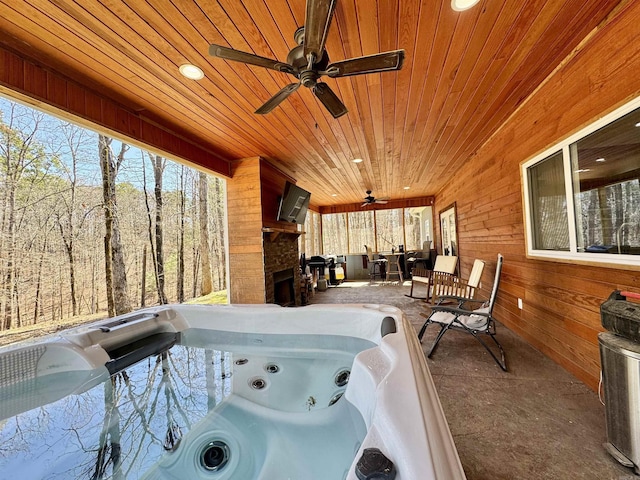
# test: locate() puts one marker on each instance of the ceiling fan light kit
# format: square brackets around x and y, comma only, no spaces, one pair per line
[308,61]
[370,199]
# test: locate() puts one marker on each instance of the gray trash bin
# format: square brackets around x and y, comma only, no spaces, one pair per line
[620,360]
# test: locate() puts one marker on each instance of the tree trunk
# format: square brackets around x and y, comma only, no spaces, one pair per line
[180,279]
[144,276]
[205,262]
[10,234]
[38,306]
[158,169]
[117,280]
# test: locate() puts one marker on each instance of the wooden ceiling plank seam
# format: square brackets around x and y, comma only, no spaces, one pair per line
[440,86]
[278,21]
[426,30]
[407,33]
[26,21]
[465,28]
[526,40]
[367,19]
[157,93]
[442,36]
[226,118]
[249,85]
[493,25]
[360,172]
[359,146]
[497,65]
[346,16]
[509,100]
[388,9]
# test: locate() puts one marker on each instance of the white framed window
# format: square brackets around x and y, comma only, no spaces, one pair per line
[582,196]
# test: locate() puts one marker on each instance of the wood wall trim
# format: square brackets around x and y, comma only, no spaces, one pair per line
[46,90]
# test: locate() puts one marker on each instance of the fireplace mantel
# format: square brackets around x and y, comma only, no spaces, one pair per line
[275,232]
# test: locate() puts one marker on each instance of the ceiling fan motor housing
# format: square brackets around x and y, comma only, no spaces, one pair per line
[297,59]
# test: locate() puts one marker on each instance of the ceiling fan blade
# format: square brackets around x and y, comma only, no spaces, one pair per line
[380,201]
[329,99]
[274,101]
[316,26]
[238,56]
[380,62]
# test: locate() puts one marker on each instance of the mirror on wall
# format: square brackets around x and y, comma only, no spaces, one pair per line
[449,231]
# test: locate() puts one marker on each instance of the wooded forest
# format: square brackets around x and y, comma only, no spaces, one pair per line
[89,224]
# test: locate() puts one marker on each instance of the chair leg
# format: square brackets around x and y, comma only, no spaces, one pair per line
[443,329]
[501,362]
[441,333]
[411,292]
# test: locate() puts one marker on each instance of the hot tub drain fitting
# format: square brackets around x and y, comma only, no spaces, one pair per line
[215,456]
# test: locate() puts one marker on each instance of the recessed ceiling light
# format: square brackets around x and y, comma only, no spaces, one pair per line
[600,160]
[191,72]
[638,124]
[582,170]
[357,160]
[461,5]
[334,194]
[407,188]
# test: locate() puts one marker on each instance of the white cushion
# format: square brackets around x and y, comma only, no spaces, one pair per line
[474,322]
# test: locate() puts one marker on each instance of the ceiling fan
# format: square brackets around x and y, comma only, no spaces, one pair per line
[370,199]
[309,60]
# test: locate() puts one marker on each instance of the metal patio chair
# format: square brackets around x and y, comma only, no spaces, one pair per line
[476,322]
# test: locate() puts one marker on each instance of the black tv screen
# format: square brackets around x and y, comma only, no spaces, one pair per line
[293,204]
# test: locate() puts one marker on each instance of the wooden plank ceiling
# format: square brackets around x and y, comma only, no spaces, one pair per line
[464,74]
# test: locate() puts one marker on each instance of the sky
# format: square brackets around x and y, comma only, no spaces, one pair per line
[51,136]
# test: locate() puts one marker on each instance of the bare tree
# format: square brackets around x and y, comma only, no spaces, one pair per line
[159,164]
[205,261]
[19,151]
[181,201]
[68,222]
[116,277]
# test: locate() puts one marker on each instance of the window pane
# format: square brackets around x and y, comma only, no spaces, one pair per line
[361,231]
[417,227]
[389,229]
[606,165]
[312,234]
[334,233]
[548,201]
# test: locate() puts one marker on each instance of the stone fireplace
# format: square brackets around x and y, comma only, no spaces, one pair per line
[282,269]
[263,251]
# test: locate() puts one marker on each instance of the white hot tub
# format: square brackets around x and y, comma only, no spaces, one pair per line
[226,392]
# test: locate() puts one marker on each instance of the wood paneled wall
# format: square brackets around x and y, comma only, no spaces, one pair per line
[244,213]
[252,204]
[561,315]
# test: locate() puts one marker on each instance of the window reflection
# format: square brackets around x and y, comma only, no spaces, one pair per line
[606,167]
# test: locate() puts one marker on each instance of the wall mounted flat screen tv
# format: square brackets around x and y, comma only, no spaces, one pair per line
[293,204]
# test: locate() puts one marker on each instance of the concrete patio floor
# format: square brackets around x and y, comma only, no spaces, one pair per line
[535,421]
